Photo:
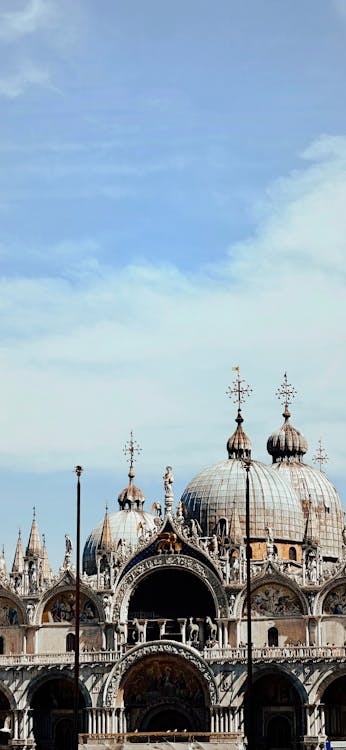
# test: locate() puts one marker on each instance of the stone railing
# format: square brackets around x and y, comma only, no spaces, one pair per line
[287,653]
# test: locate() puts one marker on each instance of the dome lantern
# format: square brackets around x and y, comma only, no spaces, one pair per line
[131,497]
[239,445]
[286,443]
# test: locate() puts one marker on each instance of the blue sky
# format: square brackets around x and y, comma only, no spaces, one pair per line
[172,203]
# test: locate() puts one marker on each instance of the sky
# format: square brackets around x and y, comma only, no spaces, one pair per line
[172,204]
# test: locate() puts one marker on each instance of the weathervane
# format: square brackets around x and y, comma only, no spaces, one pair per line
[320,456]
[130,448]
[238,391]
[286,392]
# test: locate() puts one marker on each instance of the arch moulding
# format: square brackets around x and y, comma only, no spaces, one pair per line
[176,562]
[163,648]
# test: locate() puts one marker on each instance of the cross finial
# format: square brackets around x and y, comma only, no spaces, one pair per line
[286,392]
[238,391]
[130,448]
[320,456]
[34,512]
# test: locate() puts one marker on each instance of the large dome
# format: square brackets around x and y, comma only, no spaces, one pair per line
[320,502]
[219,492]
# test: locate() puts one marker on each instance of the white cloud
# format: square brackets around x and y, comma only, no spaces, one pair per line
[28,75]
[151,348]
[32,17]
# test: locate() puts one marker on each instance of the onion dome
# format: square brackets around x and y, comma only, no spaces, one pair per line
[125,526]
[287,443]
[239,445]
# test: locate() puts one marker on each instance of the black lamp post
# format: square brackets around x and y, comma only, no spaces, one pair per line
[249,691]
[78,471]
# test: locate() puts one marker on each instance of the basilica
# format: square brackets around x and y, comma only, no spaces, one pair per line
[164,612]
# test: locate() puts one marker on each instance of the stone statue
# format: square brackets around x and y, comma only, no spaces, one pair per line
[270,536]
[107,604]
[30,610]
[192,630]
[68,545]
[168,479]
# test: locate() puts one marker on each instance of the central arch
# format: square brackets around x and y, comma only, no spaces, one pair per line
[171,594]
[165,692]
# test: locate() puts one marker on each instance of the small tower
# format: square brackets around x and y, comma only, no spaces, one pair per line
[32,560]
[105,555]
[17,572]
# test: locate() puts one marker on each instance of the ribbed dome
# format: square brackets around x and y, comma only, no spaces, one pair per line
[287,442]
[131,497]
[219,492]
[239,445]
[324,517]
[126,525]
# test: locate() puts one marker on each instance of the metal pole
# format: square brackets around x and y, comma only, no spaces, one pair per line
[247,465]
[78,471]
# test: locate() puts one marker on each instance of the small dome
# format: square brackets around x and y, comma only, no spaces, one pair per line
[219,492]
[126,526]
[320,502]
[287,442]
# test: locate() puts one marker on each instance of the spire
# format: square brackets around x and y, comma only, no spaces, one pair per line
[320,456]
[311,531]
[34,544]
[18,562]
[287,442]
[106,540]
[239,445]
[46,569]
[130,448]
[131,497]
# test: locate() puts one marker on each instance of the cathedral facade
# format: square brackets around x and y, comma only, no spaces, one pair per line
[163,613]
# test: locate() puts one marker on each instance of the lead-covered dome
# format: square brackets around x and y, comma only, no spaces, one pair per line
[219,492]
[127,527]
[320,502]
[122,529]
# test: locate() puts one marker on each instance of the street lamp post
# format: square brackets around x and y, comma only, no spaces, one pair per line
[247,465]
[78,471]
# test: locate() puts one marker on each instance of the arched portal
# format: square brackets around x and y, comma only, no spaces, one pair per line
[52,704]
[171,593]
[276,713]
[165,693]
[334,698]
